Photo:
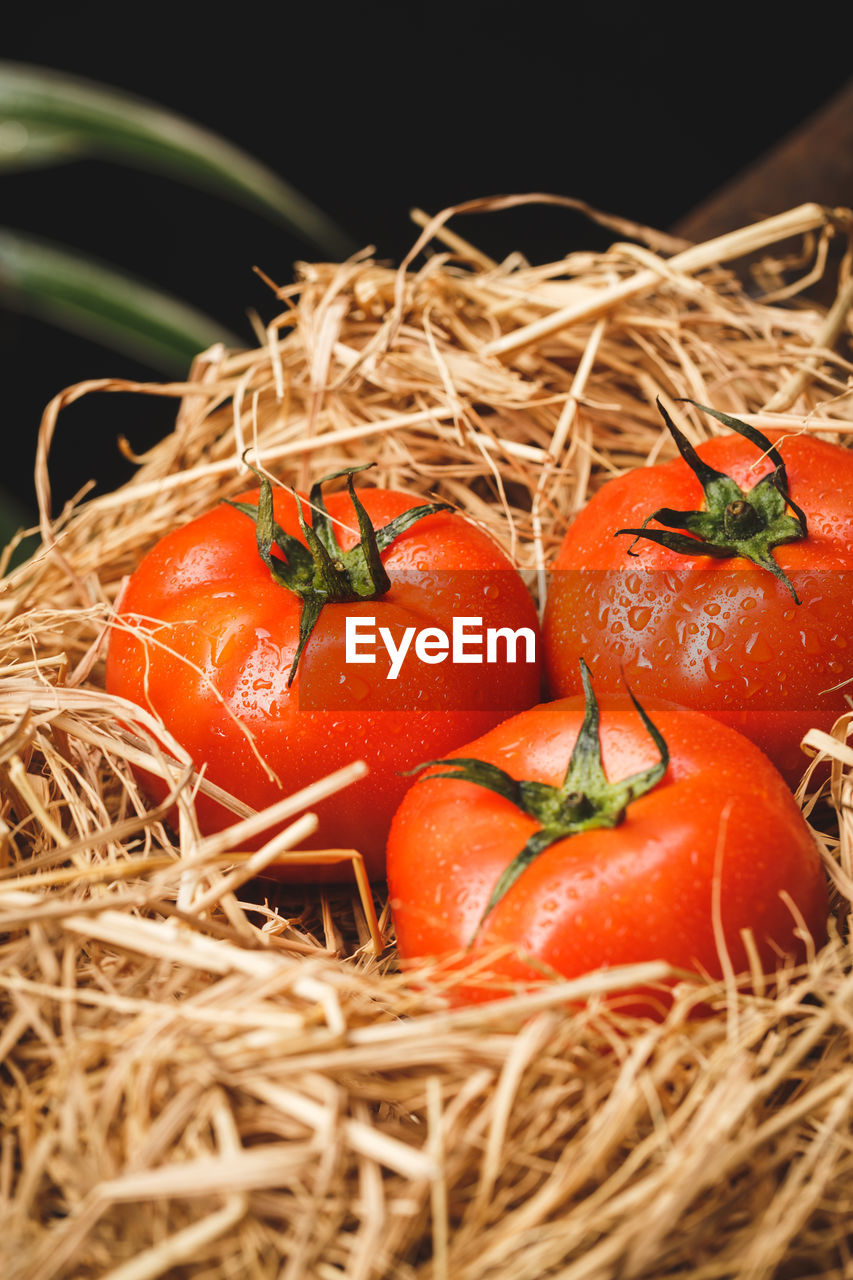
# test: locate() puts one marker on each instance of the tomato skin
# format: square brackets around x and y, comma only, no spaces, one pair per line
[722,636]
[643,890]
[205,593]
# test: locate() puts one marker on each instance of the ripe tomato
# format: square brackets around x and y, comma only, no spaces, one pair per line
[708,828]
[718,631]
[208,637]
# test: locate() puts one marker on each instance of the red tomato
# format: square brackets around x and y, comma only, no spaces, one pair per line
[718,634]
[718,832]
[217,637]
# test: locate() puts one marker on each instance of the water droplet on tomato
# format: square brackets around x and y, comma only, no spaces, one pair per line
[261,684]
[716,636]
[758,648]
[810,642]
[712,609]
[226,644]
[639,616]
[718,669]
[491,592]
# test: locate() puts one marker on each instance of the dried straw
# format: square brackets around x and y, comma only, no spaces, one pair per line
[203,1078]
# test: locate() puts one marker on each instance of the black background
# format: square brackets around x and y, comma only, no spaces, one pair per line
[370,110]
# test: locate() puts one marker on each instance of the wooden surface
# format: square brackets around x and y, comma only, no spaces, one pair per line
[814,162]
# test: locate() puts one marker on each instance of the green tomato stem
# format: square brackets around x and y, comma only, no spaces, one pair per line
[733,522]
[586,799]
[322,573]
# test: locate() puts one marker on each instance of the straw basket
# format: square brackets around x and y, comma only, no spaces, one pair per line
[203,1080]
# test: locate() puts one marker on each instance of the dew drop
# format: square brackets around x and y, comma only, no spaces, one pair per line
[638,617]
[758,648]
[810,642]
[718,669]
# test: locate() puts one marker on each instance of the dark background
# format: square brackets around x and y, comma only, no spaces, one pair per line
[370,110]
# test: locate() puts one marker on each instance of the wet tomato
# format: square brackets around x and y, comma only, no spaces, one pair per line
[660,841]
[735,595]
[234,630]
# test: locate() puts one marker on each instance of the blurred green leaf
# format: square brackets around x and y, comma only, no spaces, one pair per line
[107,122]
[28,146]
[105,304]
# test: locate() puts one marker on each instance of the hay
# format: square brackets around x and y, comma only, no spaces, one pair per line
[203,1078]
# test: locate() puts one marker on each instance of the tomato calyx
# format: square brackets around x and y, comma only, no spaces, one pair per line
[322,573]
[734,523]
[585,799]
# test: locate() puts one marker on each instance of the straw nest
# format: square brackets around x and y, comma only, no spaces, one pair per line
[201,1079]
